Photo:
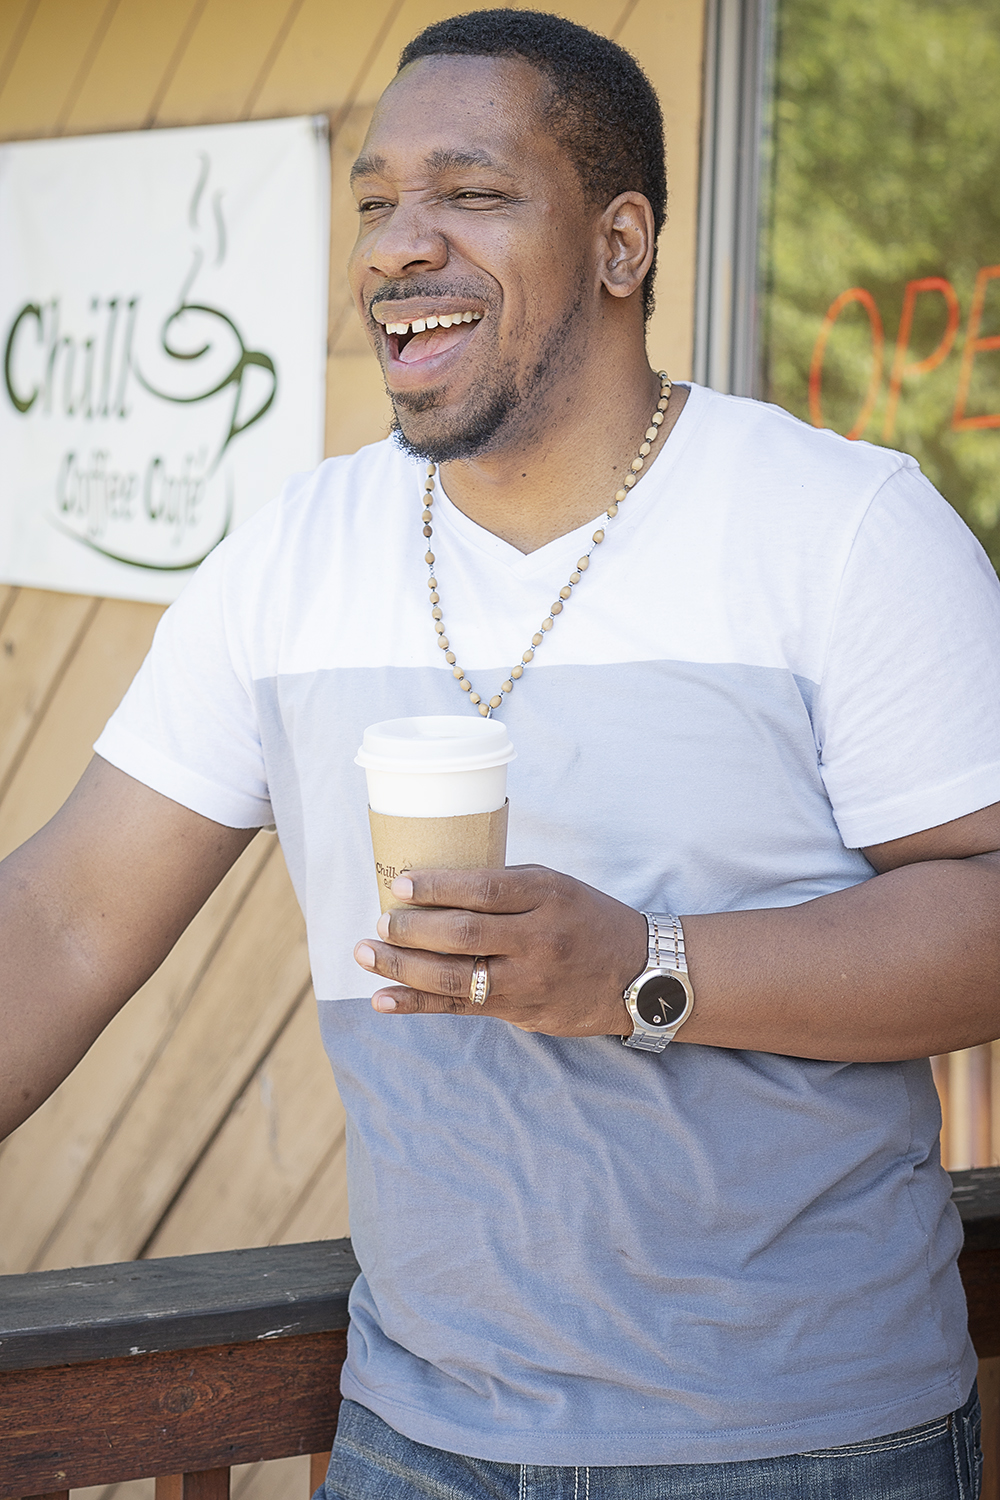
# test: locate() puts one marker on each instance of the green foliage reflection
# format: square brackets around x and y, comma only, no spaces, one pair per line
[886,133]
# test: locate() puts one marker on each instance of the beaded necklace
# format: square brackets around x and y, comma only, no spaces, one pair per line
[583,563]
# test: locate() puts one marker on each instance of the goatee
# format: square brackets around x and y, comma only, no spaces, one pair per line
[473,433]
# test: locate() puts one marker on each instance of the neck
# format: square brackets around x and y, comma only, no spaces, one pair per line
[564,466]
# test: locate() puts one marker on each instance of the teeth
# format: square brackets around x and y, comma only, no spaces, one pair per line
[443,320]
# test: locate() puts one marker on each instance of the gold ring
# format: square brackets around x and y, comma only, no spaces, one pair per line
[480,986]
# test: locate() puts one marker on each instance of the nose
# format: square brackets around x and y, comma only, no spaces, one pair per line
[405,242]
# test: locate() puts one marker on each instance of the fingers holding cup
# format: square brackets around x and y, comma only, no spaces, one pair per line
[426,983]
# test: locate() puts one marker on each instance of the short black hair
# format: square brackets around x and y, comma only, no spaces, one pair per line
[603,111]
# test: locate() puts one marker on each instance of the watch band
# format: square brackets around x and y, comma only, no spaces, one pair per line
[665,949]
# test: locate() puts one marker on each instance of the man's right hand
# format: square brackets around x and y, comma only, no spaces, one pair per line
[89,908]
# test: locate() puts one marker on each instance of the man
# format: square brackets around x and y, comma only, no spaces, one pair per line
[759,690]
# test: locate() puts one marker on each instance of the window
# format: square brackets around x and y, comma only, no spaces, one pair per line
[879,268]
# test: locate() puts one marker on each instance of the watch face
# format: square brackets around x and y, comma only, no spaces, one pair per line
[661,1000]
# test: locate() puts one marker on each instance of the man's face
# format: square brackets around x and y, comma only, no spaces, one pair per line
[473,215]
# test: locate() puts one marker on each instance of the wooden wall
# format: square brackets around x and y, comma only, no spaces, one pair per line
[968,1084]
[206,1115]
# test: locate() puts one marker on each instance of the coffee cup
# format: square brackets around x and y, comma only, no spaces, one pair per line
[437,795]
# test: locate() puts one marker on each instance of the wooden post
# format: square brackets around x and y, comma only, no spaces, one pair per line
[960,1093]
[981,1104]
[989,1396]
[941,1069]
[318,1465]
[206,1484]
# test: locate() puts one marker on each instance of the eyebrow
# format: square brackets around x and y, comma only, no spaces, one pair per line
[444,160]
[369,166]
[441,160]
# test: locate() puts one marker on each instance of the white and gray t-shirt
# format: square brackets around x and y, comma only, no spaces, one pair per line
[788,648]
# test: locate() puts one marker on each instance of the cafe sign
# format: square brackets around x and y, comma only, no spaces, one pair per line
[163,333]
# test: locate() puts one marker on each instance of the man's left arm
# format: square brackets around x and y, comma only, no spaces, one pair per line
[906,964]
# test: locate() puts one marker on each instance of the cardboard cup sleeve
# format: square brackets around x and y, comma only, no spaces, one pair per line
[475,841]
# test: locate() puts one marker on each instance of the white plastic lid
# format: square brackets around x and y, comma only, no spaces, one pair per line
[439,742]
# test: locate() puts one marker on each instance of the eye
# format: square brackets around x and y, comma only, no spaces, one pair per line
[473,195]
[372,205]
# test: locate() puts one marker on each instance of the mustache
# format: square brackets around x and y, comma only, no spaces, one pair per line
[399,291]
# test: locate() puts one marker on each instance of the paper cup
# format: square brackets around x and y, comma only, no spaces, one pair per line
[437,795]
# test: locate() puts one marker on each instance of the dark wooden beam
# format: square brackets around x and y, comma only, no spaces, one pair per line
[169,1413]
[189,1301]
[976,1195]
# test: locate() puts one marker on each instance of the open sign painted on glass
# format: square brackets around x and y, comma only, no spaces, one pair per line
[905,366]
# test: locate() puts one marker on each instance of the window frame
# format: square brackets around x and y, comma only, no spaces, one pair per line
[736,106]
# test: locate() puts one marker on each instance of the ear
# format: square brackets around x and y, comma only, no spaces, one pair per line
[628,240]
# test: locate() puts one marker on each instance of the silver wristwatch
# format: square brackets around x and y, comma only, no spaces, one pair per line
[661,999]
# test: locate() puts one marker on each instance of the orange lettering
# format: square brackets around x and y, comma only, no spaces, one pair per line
[900,369]
[975,345]
[853,294]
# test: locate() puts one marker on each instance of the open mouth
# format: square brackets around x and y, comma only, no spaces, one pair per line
[418,339]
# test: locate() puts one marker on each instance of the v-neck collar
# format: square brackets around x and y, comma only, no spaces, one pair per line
[448,517]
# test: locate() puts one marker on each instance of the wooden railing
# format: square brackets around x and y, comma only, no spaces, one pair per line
[177,1368]
[182,1368]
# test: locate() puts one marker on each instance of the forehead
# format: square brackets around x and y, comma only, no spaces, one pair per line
[443,112]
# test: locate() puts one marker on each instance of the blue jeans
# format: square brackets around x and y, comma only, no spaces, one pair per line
[938,1460]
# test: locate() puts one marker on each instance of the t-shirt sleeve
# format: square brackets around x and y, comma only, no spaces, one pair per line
[187,727]
[907,716]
